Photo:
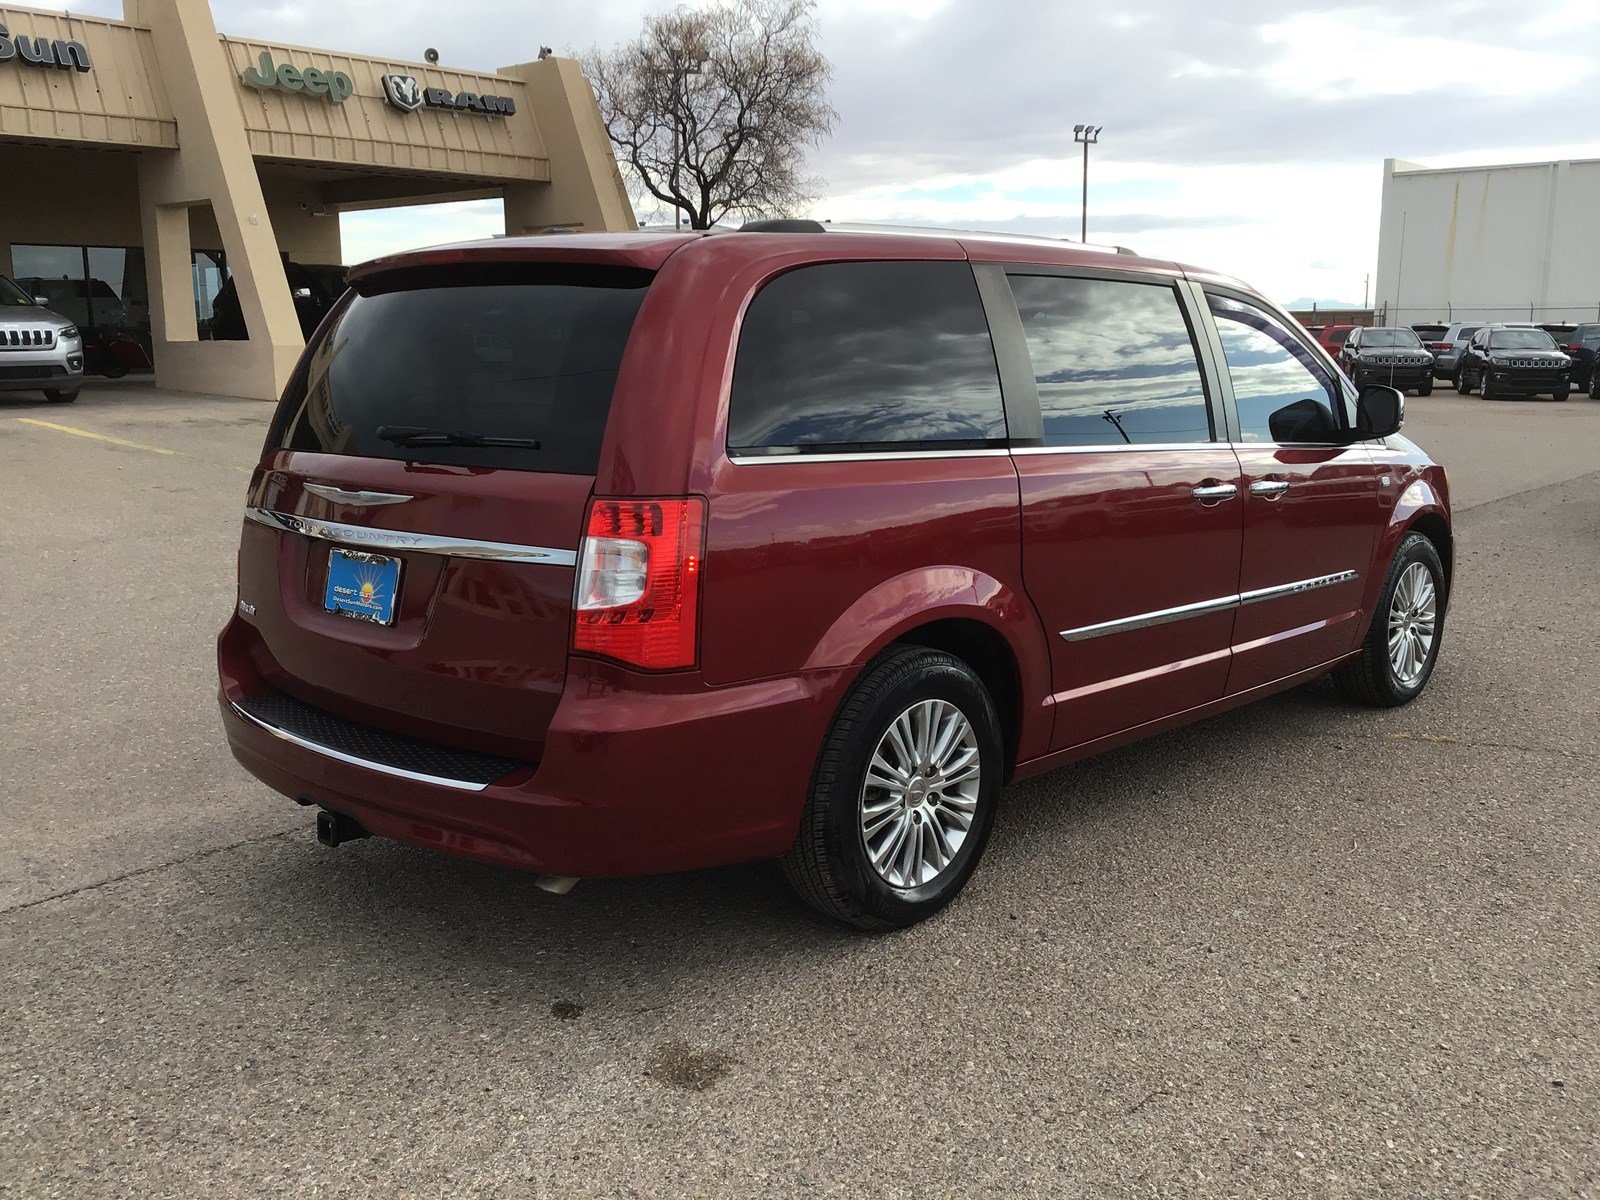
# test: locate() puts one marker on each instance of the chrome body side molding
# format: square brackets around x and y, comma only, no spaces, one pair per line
[425,543]
[1202,608]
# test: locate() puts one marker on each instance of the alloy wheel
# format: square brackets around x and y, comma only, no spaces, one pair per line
[1413,622]
[920,795]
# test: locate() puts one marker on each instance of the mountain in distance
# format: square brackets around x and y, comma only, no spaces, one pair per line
[1306,302]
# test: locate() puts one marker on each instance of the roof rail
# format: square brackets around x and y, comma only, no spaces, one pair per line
[804,225]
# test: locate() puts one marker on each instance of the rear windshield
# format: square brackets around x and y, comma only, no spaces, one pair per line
[453,355]
[1338,337]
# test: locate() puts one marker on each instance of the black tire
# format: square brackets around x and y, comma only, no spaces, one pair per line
[1483,382]
[1594,383]
[1426,389]
[112,371]
[829,864]
[1370,677]
[57,396]
[1562,392]
[1460,380]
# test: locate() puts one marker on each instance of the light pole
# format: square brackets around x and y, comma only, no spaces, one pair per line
[677,152]
[1088,135]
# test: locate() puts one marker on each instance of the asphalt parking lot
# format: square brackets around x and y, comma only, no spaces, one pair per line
[1297,950]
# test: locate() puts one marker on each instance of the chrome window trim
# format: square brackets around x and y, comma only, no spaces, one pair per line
[397,539]
[746,460]
[461,785]
[1119,448]
[1202,608]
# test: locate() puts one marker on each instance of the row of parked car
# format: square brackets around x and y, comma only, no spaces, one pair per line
[1503,358]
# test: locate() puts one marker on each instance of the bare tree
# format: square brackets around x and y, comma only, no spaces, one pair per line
[712,109]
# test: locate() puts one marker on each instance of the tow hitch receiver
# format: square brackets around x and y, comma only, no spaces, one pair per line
[335,827]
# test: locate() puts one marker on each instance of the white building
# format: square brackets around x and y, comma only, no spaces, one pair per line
[1506,243]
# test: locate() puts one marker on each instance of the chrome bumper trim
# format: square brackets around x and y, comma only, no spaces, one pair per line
[329,752]
[395,539]
[1204,607]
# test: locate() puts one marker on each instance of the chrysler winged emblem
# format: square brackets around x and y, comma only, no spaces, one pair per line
[403,92]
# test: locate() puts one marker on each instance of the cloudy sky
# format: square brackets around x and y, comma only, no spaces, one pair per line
[1246,135]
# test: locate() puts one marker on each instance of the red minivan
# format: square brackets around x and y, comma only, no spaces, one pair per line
[611,554]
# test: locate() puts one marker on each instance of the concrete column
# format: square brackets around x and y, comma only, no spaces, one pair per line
[213,165]
[167,264]
[586,190]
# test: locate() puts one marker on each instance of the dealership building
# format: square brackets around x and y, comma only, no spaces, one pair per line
[1504,243]
[150,164]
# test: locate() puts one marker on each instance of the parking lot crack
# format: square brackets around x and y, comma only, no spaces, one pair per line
[150,869]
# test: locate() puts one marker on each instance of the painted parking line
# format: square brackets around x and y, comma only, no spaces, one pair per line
[116,441]
[99,437]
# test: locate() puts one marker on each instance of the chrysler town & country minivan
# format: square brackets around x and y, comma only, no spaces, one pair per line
[610,554]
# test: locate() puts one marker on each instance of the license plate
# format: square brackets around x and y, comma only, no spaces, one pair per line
[363,586]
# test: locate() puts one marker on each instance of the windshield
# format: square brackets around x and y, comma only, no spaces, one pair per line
[1337,337]
[11,296]
[1390,339]
[1520,339]
[482,367]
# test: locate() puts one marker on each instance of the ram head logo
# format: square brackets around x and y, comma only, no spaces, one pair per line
[403,92]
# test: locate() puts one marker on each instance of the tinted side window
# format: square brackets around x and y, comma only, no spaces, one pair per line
[861,355]
[1281,392]
[1114,362]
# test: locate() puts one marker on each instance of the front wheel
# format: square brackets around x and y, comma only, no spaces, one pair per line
[1562,392]
[1426,389]
[1594,383]
[904,793]
[1402,644]
[58,396]
[1463,388]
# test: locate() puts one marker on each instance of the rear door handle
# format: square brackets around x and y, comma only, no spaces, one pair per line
[1208,493]
[1270,488]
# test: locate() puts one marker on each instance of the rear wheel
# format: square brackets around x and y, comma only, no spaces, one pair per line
[1402,644]
[1594,382]
[57,396]
[903,795]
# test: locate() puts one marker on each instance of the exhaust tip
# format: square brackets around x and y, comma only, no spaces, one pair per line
[558,885]
[335,828]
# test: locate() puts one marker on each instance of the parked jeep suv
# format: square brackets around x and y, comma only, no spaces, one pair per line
[40,350]
[1514,361]
[1388,355]
[622,553]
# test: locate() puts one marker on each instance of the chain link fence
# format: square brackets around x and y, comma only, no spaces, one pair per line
[1445,314]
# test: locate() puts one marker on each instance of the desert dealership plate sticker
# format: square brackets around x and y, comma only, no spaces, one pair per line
[361,585]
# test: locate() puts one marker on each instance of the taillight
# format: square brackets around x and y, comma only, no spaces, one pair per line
[1438,345]
[639,581]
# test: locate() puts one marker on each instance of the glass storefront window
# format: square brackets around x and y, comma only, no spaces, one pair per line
[210,273]
[102,289]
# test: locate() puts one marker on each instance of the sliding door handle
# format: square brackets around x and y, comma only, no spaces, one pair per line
[1210,493]
[1270,488]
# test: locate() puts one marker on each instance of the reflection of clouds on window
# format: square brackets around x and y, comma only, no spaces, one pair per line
[1113,361]
[1269,367]
[846,354]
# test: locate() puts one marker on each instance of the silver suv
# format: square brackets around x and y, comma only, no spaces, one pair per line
[40,350]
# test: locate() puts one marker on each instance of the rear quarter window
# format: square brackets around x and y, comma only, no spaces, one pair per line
[516,352]
[863,356]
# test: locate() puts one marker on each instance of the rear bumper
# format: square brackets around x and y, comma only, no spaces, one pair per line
[640,774]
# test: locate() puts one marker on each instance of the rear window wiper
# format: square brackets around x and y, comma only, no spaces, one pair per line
[418,435]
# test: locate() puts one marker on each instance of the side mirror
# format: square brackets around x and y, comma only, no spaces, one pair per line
[42,301]
[1380,411]
[1303,421]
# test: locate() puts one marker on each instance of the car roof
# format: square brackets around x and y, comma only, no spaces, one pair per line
[649,250]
